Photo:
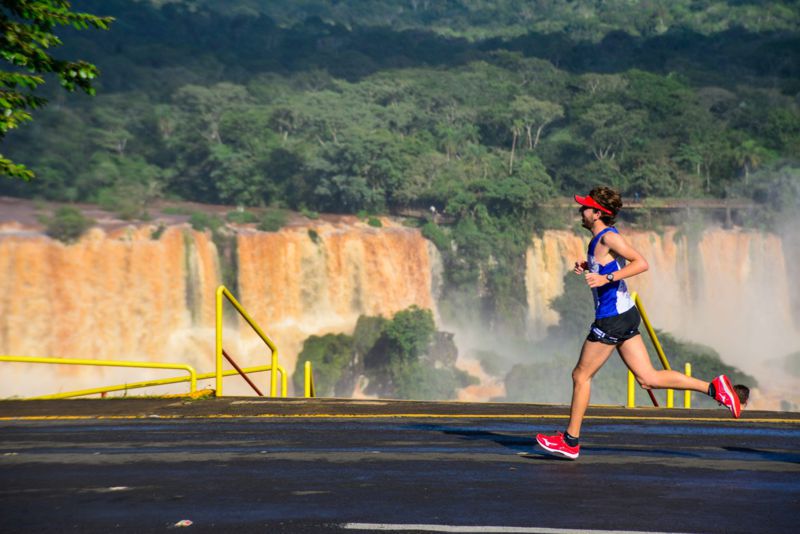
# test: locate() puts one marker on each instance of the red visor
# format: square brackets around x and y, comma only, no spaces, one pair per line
[589,202]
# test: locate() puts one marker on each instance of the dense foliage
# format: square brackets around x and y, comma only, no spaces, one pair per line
[330,356]
[403,357]
[66,224]
[480,19]
[379,108]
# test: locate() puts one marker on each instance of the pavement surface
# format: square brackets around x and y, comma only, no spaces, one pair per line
[328,465]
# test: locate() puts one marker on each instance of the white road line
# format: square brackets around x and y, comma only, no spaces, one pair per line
[465,528]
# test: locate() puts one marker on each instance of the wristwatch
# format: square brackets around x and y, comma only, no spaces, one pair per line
[610,277]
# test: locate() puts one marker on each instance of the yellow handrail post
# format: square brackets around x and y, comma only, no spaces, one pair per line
[651,332]
[654,338]
[282,371]
[218,388]
[687,395]
[273,377]
[222,291]
[309,382]
[631,390]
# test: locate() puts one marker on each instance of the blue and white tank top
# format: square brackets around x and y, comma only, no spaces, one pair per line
[612,298]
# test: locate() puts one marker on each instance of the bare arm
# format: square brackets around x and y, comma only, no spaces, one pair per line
[636,263]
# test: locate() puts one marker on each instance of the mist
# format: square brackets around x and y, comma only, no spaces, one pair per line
[727,288]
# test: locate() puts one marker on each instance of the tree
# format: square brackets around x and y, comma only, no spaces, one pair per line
[26,33]
[329,356]
[198,144]
[711,148]
[410,332]
[204,107]
[67,224]
[537,114]
[235,175]
[405,357]
[599,85]
[749,154]
[609,127]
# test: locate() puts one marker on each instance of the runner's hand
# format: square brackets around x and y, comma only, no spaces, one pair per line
[581,267]
[595,280]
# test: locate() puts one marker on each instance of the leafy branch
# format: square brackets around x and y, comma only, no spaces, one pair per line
[26,35]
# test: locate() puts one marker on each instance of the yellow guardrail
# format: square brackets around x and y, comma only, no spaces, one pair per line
[659,350]
[309,381]
[222,291]
[162,382]
[687,395]
[192,378]
[651,332]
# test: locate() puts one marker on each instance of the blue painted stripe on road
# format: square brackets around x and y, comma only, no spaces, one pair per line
[470,528]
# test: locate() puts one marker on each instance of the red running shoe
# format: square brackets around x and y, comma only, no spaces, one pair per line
[725,395]
[556,445]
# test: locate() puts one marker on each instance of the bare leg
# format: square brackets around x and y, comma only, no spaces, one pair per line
[635,356]
[593,355]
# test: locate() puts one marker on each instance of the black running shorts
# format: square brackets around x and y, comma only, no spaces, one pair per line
[615,329]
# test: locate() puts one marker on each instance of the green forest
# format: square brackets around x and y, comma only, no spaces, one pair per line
[377,105]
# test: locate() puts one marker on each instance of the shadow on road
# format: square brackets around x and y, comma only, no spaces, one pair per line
[524,446]
[773,456]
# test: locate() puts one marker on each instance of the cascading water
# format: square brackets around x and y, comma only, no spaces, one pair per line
[125,295]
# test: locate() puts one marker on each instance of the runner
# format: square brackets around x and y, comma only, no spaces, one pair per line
[610,261]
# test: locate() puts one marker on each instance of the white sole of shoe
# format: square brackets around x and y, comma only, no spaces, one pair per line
[557,452]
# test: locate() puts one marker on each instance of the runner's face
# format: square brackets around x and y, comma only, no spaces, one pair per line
[588,216]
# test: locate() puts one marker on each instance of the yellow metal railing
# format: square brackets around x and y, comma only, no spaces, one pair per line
[218,374]
[150,383]
[631,390]
[687,394]
[651,332]
[309,381]
[274,368]
[659,350]
[192,378]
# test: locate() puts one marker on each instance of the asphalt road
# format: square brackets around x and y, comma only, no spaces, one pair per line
[244,465]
